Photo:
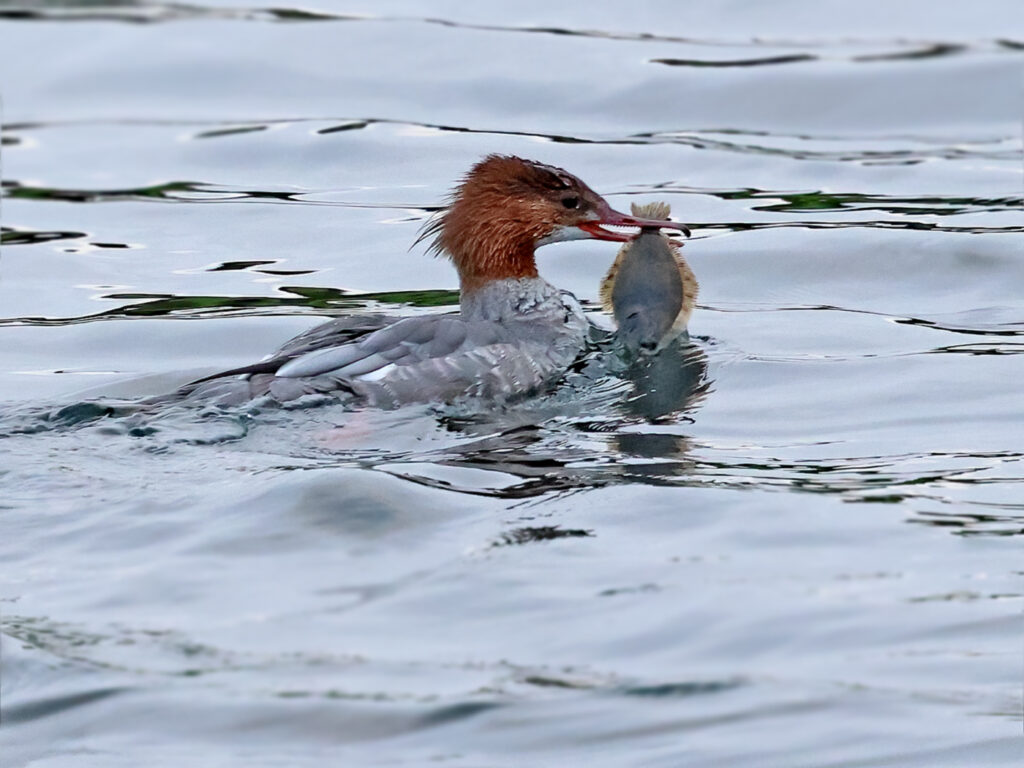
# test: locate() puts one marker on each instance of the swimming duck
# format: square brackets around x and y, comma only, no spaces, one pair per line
[514,334]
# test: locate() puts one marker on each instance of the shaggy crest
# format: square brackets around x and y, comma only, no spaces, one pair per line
[518,174]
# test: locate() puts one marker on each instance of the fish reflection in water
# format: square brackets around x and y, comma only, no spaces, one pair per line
[667,382]
[552,460]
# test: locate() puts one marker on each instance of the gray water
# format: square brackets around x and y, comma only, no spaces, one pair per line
[808,556]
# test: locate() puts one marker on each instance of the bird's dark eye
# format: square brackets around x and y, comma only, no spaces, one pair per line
[570,202]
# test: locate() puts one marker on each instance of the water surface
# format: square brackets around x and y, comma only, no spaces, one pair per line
[807,556]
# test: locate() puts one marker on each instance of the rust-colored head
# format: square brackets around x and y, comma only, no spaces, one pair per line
[506,207]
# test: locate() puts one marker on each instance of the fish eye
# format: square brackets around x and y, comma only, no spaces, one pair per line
[571,202]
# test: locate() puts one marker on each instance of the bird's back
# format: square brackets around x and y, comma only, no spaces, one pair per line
[515,346]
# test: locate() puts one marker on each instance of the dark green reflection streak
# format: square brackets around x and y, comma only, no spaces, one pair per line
[157,305]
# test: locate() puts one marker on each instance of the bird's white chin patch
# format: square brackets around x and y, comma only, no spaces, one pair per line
[564,234]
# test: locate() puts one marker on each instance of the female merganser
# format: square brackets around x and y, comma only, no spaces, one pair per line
[514,334]
[650,289]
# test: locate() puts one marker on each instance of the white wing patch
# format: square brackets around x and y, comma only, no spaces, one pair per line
[378,374]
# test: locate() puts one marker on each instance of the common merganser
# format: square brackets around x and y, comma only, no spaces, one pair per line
[650,289]
[514,333]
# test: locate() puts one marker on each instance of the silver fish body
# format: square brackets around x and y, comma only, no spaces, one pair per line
[650,289]
[647,296]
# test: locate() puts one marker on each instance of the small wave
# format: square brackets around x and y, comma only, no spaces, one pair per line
[320,299]
[20,236]
[862,149]
[182,423]
[139,12]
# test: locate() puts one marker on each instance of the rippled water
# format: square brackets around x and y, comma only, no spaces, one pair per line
[806,553]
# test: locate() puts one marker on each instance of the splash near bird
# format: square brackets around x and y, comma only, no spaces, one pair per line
[650,289]
[514,334]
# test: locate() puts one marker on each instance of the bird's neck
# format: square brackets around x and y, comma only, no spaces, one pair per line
[507,299]
[494,260]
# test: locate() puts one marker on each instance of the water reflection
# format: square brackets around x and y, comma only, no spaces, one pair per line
[974,523]
[147,11]
[20,236]
[881,149]
[779,201]
[328,301]
[545,447]
[670,382]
